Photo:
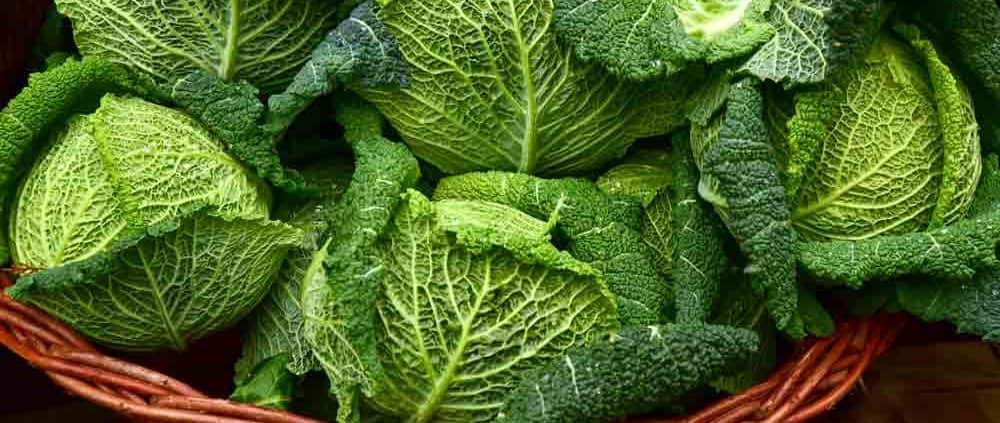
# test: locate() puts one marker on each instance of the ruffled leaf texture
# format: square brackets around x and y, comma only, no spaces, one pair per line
[491,88]
[359,51]
[890,146]
[341,287]
[49,99]
[950,248]
[698,258]
[813,38]
[147,233]
[971,301]
[740,177]
[648,39]
[636,371]
[422,307]
[971,305]
[474,296]
[277,327]
[602,230]
[263,42]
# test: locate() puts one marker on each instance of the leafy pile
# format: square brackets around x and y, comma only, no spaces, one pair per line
[513,211]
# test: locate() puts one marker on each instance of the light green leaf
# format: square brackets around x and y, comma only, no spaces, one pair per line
[129,166]
[276,326]
[124,261]
[503,94]
[602,230]
[638,177]
[173,283]
[468,304]
[895,160]
[954,253]
[263,42]
[50,98]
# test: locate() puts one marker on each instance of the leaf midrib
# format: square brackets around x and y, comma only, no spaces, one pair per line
[430,405]
[529,142]
[176,341]
[229,58]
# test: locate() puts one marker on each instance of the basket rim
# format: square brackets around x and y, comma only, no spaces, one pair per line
[817,376]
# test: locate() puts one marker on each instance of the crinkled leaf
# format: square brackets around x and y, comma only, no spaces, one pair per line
[709,99]
[233,112]
[263,42]
[953,253]
[490,88]
[646,39]
[961,165]
[339,302]
[173,283]
[698,258]
[973,306]
[276,326]
[638,370]
[657,232]
[473,295]
[740,177]
[360,51]
[50,98]
[270,385]
[967,31]
[602,230]
[880,150]
[114,172]
[813,38]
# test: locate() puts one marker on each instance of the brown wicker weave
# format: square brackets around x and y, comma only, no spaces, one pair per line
[821,373]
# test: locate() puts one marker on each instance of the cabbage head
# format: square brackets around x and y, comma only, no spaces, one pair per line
[888,145]
[140,231]
[263,42]
[491,88]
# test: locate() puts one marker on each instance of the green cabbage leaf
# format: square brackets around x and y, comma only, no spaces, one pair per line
[146,233]
[264,42]
[491,88]
[602,230]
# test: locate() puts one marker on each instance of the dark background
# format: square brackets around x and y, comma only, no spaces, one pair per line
[931,376]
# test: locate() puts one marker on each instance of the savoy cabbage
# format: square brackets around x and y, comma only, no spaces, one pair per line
[146,233]
[491,88]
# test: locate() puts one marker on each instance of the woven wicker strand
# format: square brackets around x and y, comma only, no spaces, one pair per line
[135,392]
[820,374]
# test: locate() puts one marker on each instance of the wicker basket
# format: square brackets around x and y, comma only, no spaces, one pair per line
[819,374]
